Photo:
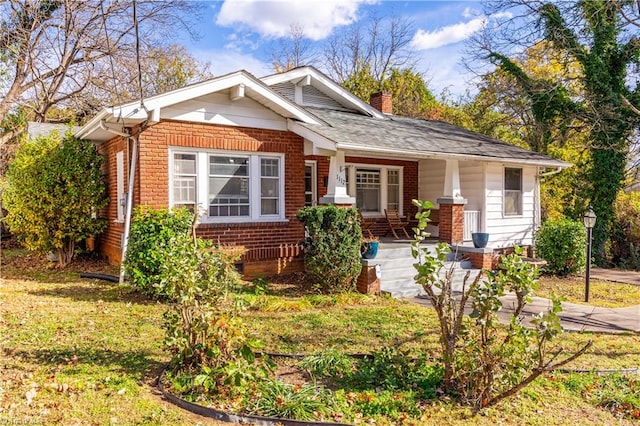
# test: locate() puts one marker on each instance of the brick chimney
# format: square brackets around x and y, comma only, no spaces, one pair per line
[382,102]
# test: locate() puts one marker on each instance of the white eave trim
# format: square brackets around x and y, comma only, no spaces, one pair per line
[317,139]
[132,113]
[416,155]
[341,95]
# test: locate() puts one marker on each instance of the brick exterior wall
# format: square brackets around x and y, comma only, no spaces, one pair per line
[109,242]
[269,247]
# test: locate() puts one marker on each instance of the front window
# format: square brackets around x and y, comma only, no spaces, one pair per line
[228,186]
[375,187]
[184,180]
[512,192]
[231,186]
[269,186]
[368,190]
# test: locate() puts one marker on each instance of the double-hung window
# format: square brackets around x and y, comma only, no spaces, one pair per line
[375,188]
[184,180]
[512,191]
[229,187]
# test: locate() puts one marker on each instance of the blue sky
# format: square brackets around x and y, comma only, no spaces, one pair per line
[240,34]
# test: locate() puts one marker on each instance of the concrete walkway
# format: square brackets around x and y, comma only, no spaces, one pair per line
[579,317]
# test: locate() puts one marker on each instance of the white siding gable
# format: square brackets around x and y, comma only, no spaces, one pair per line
[218,108]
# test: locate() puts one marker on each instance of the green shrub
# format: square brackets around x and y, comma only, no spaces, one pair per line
[54,188]
[150,237]
[562,243]
[624,250]
[332,246]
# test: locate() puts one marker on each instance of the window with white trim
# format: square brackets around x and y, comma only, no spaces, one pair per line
[184,180]
[310,183]
[121,197]
[512,191]
[375,187]
[229,186]
[229,182]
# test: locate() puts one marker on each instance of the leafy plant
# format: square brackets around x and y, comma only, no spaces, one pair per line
[328,363]
[562,243]
[483,362]
[54,189]
[332,246]
[150,238]
[287,401]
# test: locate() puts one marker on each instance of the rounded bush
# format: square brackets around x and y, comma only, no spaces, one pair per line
[332,246]
[151,235]
[562,243]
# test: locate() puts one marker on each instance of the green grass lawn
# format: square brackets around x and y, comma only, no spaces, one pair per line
[77,351]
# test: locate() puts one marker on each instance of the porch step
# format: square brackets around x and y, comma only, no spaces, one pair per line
[397,271]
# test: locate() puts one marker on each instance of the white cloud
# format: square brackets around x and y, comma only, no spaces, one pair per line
[451,34]
[274,18]
[227,61]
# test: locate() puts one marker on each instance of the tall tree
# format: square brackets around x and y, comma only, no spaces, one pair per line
[375,48]
[51,50]
[595,34]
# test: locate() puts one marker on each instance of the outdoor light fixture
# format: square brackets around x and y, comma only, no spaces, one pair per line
[589,219]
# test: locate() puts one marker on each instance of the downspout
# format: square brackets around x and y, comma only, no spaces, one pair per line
[132,173]
[127,215]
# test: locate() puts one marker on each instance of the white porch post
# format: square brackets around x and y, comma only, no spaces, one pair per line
[452,181]
[337,182]
[451,226]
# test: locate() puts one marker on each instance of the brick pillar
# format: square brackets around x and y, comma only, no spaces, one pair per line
[368,281]
[451,226]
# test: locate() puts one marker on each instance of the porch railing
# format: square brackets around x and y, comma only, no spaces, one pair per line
[471,223]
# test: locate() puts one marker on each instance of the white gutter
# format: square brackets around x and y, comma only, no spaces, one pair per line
[551,173]
[441,155]
[127,216]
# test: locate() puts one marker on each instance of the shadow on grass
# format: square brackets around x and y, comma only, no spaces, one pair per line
[101,291]
[138,364]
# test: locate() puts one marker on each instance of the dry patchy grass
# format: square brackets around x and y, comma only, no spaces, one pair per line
[601,293]
[77,351]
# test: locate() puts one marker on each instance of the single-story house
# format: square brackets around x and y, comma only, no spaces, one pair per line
[249,153]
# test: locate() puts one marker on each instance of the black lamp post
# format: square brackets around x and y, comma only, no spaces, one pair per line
[589,219]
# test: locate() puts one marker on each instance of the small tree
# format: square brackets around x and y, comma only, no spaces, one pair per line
[483,361]
[53,191]
[332,246]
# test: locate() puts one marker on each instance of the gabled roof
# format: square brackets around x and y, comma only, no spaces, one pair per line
[310,76]
[416,138]
[132,113]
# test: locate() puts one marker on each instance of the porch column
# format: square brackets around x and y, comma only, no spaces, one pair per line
[337,183]
[451,226]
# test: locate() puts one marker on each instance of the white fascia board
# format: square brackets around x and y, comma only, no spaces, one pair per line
[134,113]
[439,155]
[319,141]
[92,125]
[319,79]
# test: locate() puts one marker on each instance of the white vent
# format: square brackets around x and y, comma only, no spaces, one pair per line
[313,97]
[286,89]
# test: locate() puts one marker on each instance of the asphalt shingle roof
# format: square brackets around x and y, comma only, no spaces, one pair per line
[422,138]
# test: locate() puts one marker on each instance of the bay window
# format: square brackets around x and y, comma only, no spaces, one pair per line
[229,186]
